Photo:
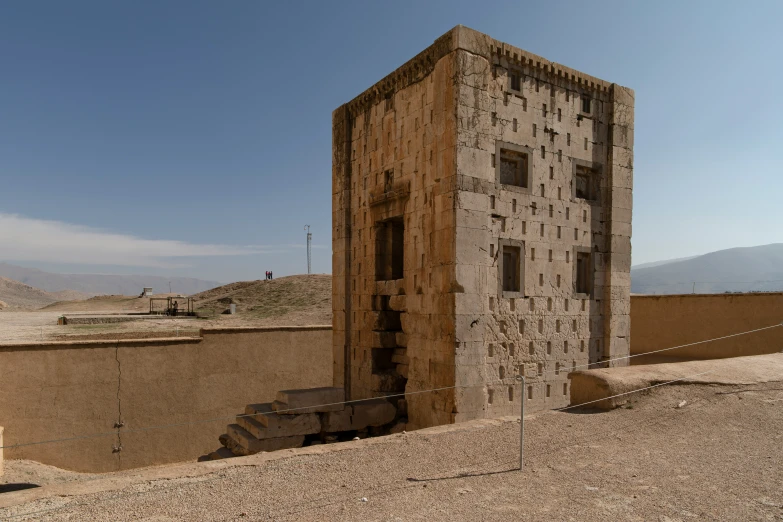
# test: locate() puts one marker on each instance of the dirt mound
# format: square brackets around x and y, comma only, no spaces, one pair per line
[16,295]
[299,299]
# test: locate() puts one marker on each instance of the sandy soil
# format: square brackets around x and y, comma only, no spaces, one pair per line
[720,457]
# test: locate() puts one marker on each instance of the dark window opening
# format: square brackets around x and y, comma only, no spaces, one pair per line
[514,79]
[586,104]
[388,180]
[513,168]
[583,271]
[511,269]
[584,183]
[389,249]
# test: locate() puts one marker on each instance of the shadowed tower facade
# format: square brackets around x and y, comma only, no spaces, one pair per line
[481,229]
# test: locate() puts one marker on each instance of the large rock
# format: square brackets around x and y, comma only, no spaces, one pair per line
[283,425]
[241,442]
[311,400]
[360,415]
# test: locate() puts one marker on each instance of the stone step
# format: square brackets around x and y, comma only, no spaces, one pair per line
[244,443]
[283,425]
[253,427]
[310,400]
[360,415]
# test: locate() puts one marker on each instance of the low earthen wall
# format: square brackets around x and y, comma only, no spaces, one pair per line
[663,321]
[66,390]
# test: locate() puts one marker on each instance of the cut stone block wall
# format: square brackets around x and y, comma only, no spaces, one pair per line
[440,124]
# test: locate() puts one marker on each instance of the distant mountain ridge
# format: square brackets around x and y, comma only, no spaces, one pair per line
[100,284]
[744,269]
[19,295]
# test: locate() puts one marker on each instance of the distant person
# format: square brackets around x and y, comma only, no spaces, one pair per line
[174,306]
[270,274]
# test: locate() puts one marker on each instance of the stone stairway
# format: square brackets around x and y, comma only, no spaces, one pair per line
[302,418]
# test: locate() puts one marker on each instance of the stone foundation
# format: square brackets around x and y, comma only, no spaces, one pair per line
[303,418]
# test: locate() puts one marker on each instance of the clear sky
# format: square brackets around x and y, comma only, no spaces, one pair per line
[151,136]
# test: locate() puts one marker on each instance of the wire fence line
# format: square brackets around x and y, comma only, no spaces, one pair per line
[388,396]
[124,494]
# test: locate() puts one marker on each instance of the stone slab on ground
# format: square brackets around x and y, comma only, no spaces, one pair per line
[241,442]
[283,425]
[598,384]
[309,400]
[360,415]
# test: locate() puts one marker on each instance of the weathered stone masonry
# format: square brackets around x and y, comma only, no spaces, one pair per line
[481,229]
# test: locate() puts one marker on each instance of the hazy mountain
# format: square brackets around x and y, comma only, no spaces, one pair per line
[659,263]
[14,294]
[749,269]
[100,284]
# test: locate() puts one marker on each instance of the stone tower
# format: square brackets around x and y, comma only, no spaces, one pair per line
[481,229]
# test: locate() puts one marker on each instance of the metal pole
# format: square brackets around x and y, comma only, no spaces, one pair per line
[309,240]
[521,378]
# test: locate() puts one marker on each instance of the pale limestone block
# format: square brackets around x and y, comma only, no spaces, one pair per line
[397,303]
[622,157]
[309,400]
[473,201]
[374,412]
[245,443]
[338,420]
[622,136]
[400,356]
[283,425]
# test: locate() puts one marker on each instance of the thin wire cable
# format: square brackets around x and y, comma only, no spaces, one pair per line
[633,391]
[121,494]
[664,349]
[402,394]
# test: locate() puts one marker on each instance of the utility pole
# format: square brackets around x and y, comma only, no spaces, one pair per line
[309,241]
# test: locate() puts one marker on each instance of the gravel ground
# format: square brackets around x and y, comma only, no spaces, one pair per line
[719,457]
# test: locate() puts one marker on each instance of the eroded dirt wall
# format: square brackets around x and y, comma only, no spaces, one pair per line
[663,321]
[63,390]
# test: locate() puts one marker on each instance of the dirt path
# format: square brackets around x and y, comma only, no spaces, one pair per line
[720,457]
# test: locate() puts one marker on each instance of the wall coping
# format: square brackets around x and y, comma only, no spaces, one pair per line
[467,39]
[43,345]
[743,294]
[245,329]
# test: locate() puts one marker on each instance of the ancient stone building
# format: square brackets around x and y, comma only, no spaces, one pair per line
[481,229]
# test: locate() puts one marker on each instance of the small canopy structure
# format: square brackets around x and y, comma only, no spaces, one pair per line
[173,305]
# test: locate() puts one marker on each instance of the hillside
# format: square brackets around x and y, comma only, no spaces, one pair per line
[103,284]
[299,299]
[750,269]
[18,295]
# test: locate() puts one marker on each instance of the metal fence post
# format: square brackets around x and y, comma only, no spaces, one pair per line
[521,378]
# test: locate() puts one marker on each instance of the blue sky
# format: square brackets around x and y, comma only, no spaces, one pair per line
[148,136]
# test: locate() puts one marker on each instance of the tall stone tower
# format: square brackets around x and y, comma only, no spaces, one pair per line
[481,229]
